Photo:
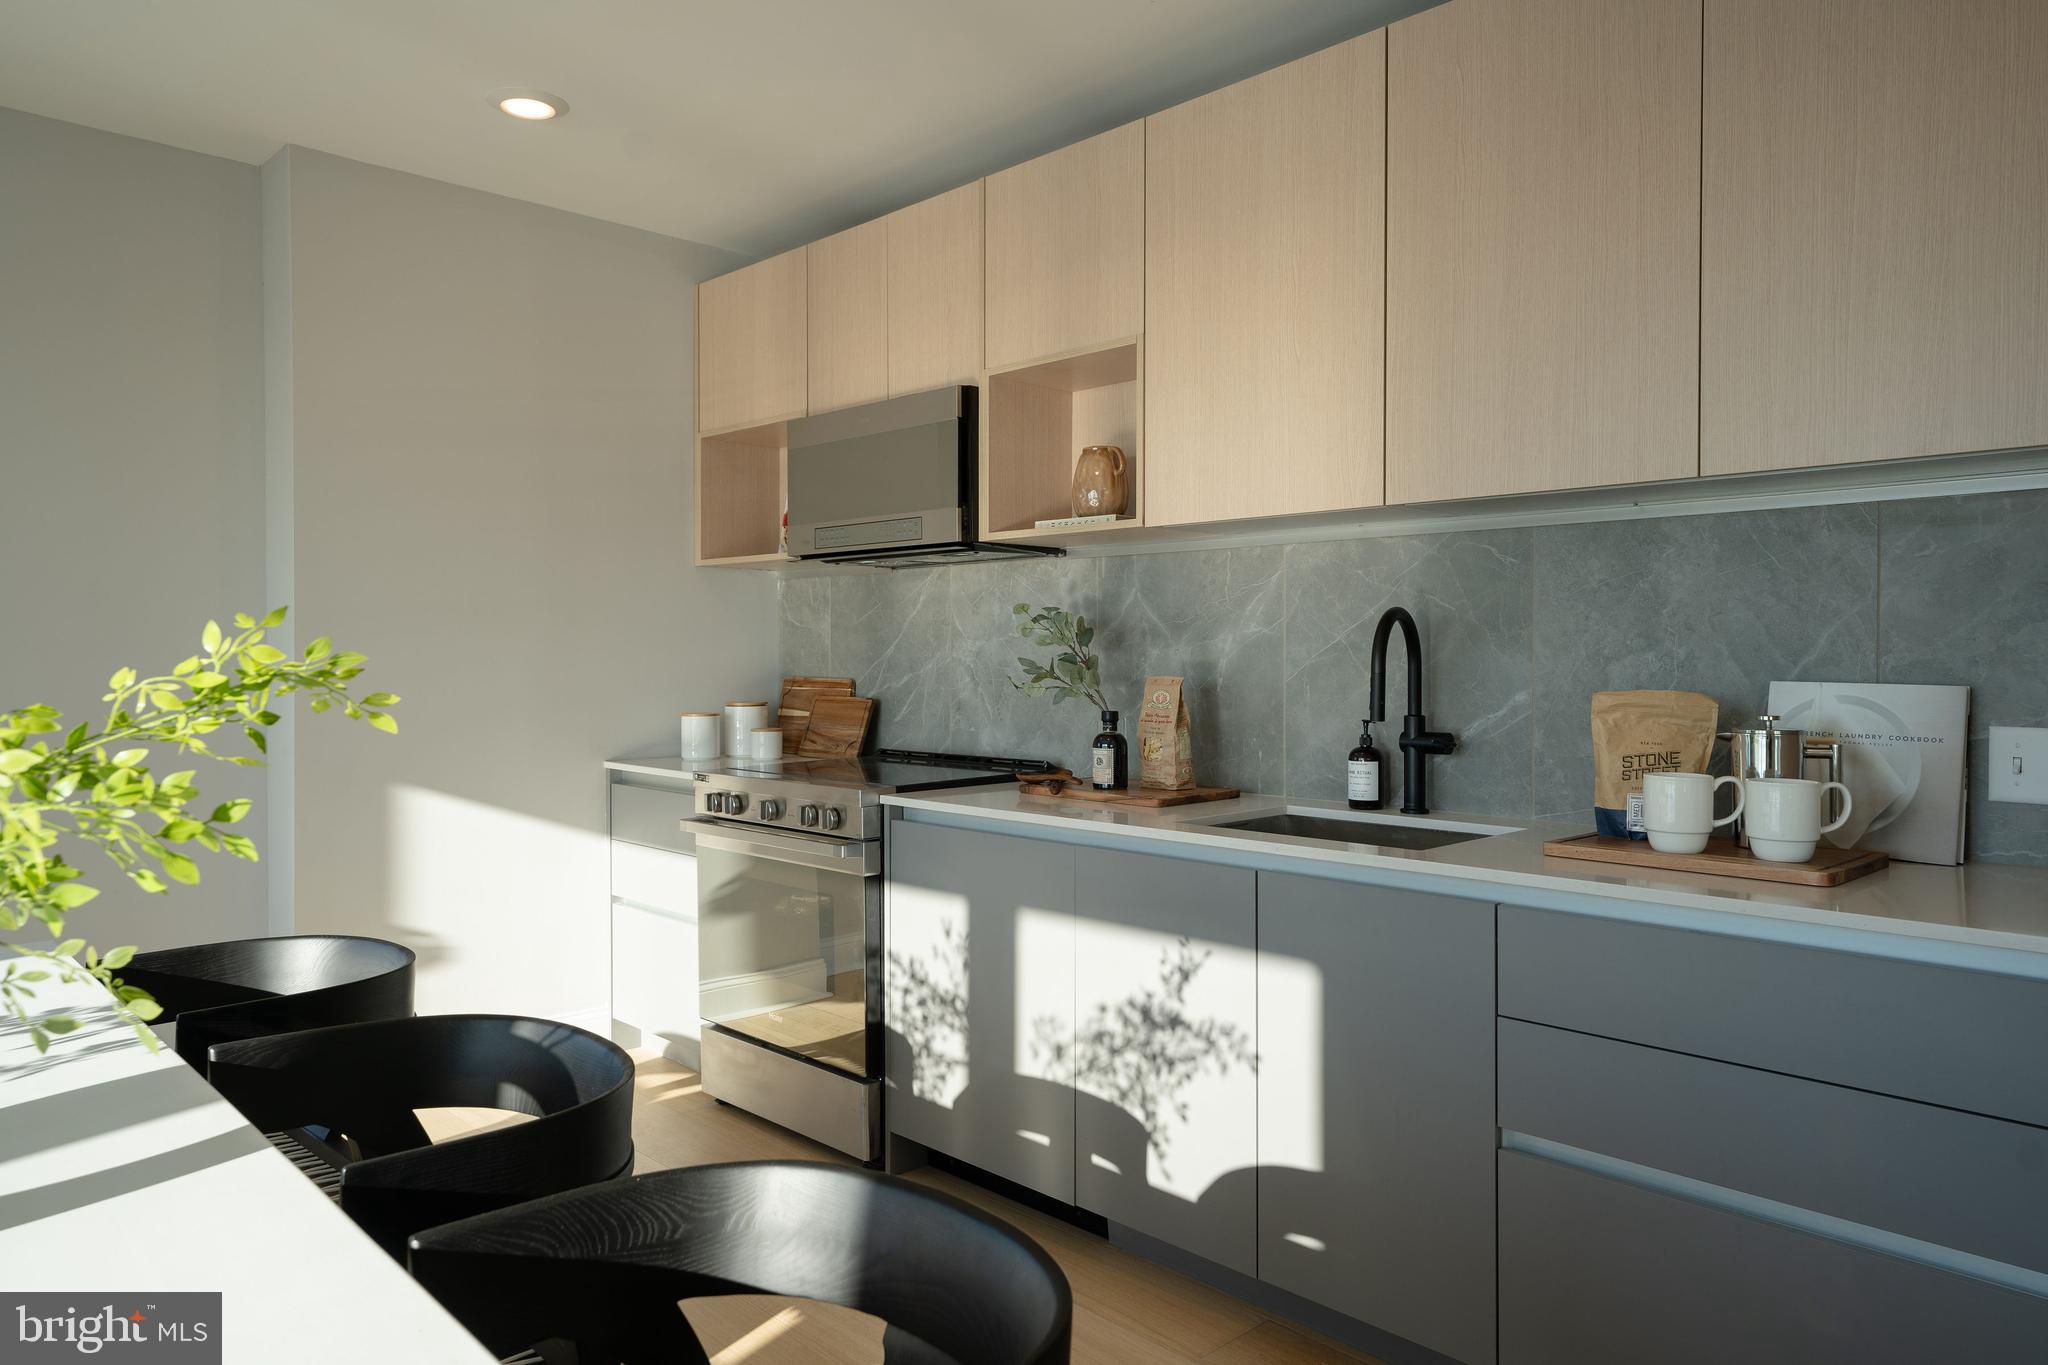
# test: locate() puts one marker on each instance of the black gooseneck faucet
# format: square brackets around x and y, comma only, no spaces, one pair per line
[1418,741]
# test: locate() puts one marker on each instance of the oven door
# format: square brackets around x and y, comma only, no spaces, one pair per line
[789,931]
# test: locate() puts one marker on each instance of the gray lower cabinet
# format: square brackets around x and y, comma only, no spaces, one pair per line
[1376,1106]
[1165,1048]
[1599,1271]
[979,1000]
[1899,1028]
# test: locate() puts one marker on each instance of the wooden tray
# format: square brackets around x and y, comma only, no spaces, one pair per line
[838,727]
[1148,797]
[1827,867]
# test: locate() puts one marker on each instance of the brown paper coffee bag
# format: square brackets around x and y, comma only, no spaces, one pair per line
[1166,758]
[1635,733]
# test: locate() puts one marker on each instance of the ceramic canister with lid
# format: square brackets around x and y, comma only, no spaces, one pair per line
[742,718]
[700,734]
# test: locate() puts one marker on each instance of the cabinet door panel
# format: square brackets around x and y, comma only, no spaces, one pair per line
[1066,249]
[1597,1272]
[1876,183]
[654,975]
[1542,246]
[1166,1040]
[849,317]
[935,291]
[1375,1104]
[1265,258]
[980,1000]
[751,344]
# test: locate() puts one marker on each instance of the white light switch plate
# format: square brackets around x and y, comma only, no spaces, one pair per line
[2019,764]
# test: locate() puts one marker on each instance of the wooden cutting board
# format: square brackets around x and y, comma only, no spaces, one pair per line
[838,727]
[799,695]
[1148,797]
[1722,858]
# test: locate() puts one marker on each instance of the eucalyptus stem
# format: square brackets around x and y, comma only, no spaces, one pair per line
[1073,671]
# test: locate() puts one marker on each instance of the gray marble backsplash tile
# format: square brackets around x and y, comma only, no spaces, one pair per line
[1469,595]
[1519,628]
[1963,597]
[1723,605]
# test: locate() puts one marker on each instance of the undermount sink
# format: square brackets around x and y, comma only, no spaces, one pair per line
[1379,833]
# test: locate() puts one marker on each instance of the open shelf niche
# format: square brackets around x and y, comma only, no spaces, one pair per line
[1036,419]
[741,479]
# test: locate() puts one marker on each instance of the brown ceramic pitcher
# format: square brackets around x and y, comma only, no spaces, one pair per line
[1101,482]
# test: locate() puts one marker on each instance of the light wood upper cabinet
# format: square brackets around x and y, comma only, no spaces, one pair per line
[935,291]
[1264,304]
[1875,279]
[849,317]
[1066,249]
[751,344]
[1543,221]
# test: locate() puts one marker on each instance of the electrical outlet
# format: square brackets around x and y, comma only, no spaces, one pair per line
[2019,764]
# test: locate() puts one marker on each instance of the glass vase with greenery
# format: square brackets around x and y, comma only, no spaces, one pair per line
[96,785]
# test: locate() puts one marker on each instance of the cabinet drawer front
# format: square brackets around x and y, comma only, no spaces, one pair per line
[1898,1028]
[1594,1271]
[656,878]
[1933,1174]
[652,816]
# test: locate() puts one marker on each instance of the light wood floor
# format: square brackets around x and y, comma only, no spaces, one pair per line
[1127,1311]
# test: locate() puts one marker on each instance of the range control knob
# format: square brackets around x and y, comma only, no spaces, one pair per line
[715,802]
[735,803]
[832,817]
[771,809]
[807,816]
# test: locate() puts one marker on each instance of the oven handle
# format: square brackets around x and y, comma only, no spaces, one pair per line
[855,856]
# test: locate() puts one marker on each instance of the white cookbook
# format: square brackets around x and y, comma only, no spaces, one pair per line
[1905,759]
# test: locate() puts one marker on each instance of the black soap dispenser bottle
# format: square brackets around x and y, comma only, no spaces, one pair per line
[1109,767]
[1362,772]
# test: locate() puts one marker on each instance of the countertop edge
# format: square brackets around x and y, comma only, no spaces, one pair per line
[2016,952]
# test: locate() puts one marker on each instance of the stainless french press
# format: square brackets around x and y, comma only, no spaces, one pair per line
[1771,752]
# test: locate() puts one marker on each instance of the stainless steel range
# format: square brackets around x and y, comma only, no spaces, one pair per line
[789,932]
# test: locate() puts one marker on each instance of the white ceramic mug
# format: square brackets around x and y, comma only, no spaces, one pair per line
[1678,809]
[1781,816]
[767,744]
[699,734]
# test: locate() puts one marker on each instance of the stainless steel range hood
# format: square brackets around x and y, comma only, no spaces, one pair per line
[891,484]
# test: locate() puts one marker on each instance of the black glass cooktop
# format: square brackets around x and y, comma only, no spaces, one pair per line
[889,770]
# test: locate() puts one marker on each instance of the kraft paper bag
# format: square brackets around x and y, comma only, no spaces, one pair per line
[1166,759]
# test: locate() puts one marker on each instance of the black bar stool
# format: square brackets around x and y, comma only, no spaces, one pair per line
[250,987]
[340,1102]
[600,1270]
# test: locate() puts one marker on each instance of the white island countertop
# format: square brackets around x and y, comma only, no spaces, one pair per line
[123,1175]
[1996,915]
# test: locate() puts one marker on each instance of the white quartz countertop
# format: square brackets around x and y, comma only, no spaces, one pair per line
[658,765]
[1983,904]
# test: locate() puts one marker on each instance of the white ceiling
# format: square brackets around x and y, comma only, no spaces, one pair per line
[749,124]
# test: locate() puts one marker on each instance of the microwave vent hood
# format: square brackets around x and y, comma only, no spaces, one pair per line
[891,484]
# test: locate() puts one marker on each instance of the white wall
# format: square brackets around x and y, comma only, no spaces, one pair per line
[489,452]
[131,450]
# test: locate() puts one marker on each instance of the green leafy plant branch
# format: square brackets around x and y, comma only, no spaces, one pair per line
[96,786]
[1074,671]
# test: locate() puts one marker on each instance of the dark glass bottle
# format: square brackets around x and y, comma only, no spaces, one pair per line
[1362,772]
[1109,766]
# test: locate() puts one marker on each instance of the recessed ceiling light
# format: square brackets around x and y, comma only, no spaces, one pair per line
[533,106]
